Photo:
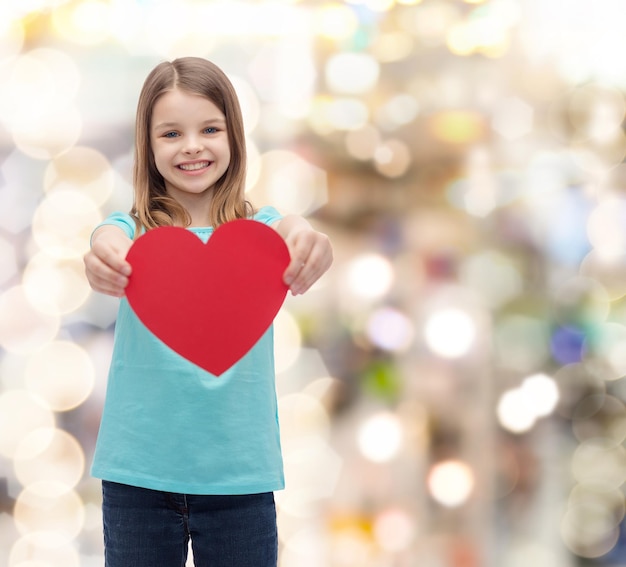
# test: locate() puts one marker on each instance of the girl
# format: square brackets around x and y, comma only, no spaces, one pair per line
[182,454]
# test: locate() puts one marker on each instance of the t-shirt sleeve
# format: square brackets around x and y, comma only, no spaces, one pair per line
[121,220]
[267,215]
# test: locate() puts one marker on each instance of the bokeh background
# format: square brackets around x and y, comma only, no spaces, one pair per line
[451,392]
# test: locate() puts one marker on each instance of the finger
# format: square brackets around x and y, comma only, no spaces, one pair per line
[299,256]
[113,258]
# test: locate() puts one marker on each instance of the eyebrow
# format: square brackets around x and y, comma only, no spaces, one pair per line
[166,125]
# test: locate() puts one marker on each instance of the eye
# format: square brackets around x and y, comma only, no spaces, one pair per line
[170,134]
[210,130]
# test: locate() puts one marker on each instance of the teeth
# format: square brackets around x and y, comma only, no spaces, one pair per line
[194,166]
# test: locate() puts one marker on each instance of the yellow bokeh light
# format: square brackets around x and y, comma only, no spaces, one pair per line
[20,415]
[457,126]
[63,223]
[11,36]
[24,329]
[81,169]
[49,507]
[86,22]
[49,455]
[61,374]
[55,287]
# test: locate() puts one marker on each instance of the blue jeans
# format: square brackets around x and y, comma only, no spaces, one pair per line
[149,528]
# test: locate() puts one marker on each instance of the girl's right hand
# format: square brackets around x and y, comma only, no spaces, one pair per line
[106,267]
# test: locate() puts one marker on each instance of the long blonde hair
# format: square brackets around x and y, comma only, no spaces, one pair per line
[152,206]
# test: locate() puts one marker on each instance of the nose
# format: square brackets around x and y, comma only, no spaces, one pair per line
[192,146]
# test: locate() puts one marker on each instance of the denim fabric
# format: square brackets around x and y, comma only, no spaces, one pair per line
[150,528]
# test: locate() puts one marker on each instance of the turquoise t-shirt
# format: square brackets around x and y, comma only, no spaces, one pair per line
[169,425]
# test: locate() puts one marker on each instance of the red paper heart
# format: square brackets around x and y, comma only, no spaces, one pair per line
[208,302]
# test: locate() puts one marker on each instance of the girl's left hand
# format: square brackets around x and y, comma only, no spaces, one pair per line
[311,255]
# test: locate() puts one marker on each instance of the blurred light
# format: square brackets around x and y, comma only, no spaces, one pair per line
[457,126]
[41,82]
[609,272]
[303,548]
[346,114]
[51,455]
[351,73]
[521,342]
[249,103]
[362,143]
[284,73]
[81,169]
[20,415]
[390,330]
[306,420]
[450,332]
[380,437]
[431,21]
[515,412]
[63,223]
[606,227]
[600,415]
[370,276]
[580,301]
[24,329]
[61,374]
[523,553]
[607,342]
[601,461]
[399,110]
[43,549]
[392,158]
[451,483]
[310,462]
[287,340]
[55,133]
[392,46]
[512,118]
[335,21]
[493,275]
[86,22]
[394,530]
[11,36]
[486,31]
[55,287]
[567,345]
[8,261]
[589,530]
[37,103]
[379,5]
[292,184]
[49,507]
[542,392]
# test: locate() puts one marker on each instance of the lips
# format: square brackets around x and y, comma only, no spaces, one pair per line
[194,166]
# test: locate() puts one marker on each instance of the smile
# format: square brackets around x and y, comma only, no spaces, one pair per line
[194,166]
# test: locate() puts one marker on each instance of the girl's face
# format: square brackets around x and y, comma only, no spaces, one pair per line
[190,145]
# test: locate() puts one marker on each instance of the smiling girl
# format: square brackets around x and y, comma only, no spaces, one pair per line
[183,455]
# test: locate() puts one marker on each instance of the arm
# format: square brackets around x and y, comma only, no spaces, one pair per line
[105,264]
[311,252]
